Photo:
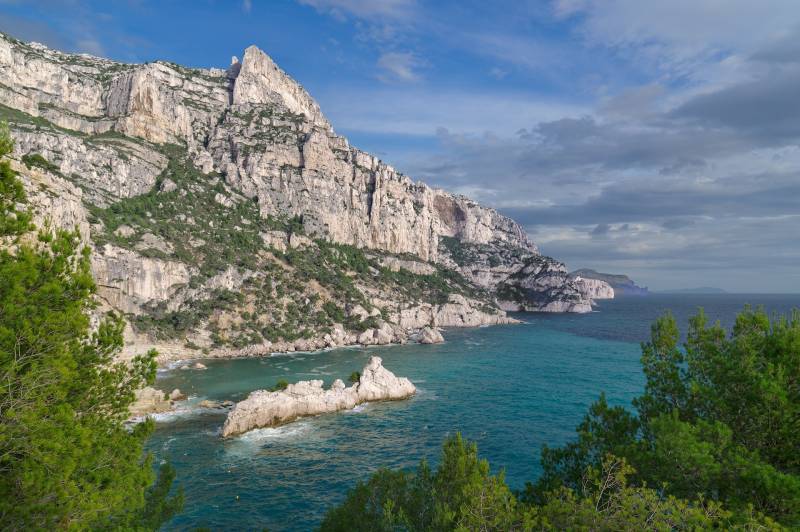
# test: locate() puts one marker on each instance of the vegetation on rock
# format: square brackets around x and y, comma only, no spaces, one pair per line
[298,291]
[14,215]
[66,458]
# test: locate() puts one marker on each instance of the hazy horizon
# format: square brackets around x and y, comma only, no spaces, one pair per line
[657,141]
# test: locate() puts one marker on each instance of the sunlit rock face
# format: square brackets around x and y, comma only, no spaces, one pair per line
[126,153]
[264,408]
[594,288]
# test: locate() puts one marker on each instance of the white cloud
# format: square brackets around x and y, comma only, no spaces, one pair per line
[681,36]
[399,66]
[498,73]
[364,9]
[669,147]
[90,45]
[421,110]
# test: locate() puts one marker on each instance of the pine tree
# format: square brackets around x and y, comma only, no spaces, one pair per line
[67,460]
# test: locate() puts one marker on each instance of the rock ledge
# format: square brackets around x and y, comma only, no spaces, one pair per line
[263,408]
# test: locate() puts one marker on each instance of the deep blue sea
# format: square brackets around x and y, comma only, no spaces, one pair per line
[510,388]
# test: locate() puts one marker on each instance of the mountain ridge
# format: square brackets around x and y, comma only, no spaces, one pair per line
[203,189]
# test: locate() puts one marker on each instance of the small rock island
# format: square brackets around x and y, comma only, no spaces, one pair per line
[264,408]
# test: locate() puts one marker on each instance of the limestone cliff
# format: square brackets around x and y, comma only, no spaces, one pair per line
[227,216]
[621,284]
[594,288]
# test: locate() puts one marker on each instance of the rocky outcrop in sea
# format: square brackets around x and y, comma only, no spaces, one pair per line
[265,408]
[152,401]
[621,284]
[429,335]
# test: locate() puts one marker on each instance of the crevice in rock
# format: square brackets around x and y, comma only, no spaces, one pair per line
[372,185]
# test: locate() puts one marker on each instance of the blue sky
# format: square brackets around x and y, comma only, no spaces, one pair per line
[658,139]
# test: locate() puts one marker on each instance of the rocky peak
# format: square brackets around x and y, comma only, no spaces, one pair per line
[261,81]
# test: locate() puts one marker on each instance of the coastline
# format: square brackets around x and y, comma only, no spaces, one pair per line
[177,353]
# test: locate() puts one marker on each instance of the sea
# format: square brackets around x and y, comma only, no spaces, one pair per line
[509,388]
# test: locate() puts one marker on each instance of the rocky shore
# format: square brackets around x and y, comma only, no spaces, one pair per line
[152,401]
[384,335]
[265,408]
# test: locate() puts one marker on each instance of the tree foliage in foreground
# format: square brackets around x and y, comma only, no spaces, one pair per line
[462,495]
[719,419]
[714,444]
[67,461]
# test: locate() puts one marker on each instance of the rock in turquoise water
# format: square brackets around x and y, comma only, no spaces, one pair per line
[264,408]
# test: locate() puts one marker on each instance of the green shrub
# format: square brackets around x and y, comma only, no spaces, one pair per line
[36,160]
[282,384]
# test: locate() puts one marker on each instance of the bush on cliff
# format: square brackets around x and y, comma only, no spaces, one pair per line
[282,384]
[14,218]
[66,459]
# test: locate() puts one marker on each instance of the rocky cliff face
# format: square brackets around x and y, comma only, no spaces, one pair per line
[224,209]
[594,288]
[621,284]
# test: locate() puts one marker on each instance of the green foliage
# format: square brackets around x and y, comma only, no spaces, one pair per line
[203,232]
[295,225]
[9,114]
[334,312]
[36,160]
[606,501]
[6,142]
[713,445]
[332,265]
[166,324]
[463,495]
[354,377]
[191,219]
[719,419]
[460,495]
[67,461]
[458,251]
[14,216]
[435,287]
[282,384]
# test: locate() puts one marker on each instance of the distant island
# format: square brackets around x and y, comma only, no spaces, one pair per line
[622,284]
[698,290]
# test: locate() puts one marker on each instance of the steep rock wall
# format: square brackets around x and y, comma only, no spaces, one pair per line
[250,137]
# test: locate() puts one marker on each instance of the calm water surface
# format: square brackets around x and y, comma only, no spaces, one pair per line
[509,388]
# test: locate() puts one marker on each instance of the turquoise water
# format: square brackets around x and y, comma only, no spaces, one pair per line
[509,388]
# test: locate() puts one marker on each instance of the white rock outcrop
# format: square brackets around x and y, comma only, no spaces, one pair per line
[594,288]
[429,335]
[152,401]
[263,408]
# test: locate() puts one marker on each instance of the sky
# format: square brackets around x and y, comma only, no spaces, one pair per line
[656,139]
